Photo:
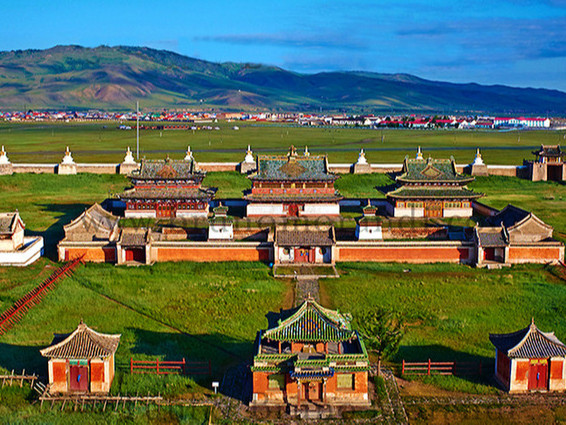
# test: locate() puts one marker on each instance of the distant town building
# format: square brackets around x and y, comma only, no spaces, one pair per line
[521,122]
[431,188]
[293,186]
[529,360]
[312,357]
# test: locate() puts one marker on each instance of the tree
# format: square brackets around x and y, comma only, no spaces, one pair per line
[382,331]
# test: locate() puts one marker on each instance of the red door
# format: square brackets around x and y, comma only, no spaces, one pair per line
[135,254]
[293,210]
[489,254]
[538,374]
[302,255]
[313,391]
[78,378]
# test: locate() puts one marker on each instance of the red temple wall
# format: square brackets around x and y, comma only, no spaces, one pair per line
[535,254]
[93,255]
[406,254]
[213,254]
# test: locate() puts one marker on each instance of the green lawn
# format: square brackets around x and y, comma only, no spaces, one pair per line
[103,142]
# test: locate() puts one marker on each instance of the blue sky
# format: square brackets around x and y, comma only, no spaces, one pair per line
[513,42]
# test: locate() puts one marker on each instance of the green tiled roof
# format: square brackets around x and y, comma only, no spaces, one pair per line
[406,192]
[431,170]
[292,167]
[312,322]
[167,169]
[549,150]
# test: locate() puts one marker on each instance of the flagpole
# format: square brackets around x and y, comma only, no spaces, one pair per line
[138,130]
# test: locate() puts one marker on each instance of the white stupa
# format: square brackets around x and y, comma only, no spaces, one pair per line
[129,158]
[307,153]
[189,155]
[68,158]
[3,157]
[249,156]
[362,158]
[419,153]
[478,160]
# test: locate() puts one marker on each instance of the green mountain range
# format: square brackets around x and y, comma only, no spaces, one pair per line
[114,78]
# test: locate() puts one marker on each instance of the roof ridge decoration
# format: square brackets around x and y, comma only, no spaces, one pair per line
[312,322]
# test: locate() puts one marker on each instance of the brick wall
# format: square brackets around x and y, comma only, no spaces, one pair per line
[535,254]
[406,254]
[93,255]
[216,253]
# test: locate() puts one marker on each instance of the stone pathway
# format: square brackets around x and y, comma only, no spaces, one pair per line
[394,411]
[305,288]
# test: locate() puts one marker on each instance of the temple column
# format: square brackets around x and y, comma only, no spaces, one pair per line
[279,347]
[298,393]
[323,395]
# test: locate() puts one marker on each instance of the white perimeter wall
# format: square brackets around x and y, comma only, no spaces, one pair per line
[321,209]
[264,209]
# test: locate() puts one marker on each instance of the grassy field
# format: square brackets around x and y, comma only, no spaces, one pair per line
[103,142]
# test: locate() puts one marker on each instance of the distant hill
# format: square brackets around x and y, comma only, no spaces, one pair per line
[113,78]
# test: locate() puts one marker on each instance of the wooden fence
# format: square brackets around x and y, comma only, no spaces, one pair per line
[161,367]
[441,368]
[18,379]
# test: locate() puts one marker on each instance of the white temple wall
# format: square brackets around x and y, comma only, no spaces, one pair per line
[140,214]
[458,212]
[254,209]
[321,209]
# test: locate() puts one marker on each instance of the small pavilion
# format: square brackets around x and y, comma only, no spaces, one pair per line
[82,361]
[529,360]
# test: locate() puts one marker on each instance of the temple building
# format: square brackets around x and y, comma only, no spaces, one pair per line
[304,244]
[529,360]
[513,236]
[293,186]
[549,164]
[167,188]
[93,234]
[311,357]
[368,227]
[431,188]
[82,361]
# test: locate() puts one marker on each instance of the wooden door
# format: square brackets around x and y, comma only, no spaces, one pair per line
[433,209]
[78,378]
[293,210]
[135,254]
[489,254]
[538,374]
[313,391]
[302,255]
[554,172]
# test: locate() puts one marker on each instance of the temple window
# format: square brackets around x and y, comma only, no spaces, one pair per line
[276,381]
[345,381]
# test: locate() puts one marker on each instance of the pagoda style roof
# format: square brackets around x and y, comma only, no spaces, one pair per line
[200,193]
[529,342]
[167,169]
[292,167]
[83,343]
[312,322]
[417,170]
[305,235]
[440,192]
[549,151]
[93,224]
[9,222]
[294,197]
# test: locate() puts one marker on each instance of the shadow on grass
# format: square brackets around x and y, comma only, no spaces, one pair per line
[20,357]
[54,233]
